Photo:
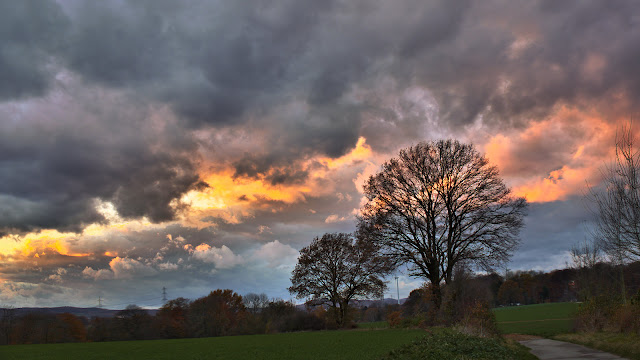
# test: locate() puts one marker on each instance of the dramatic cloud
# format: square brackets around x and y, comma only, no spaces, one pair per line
[124,268]
[276,254]
[222,258]
[191,144]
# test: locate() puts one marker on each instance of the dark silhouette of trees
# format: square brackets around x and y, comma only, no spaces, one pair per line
[337,268]
[43,328]
[172,317]
[282,316]
[135,323]
[255,302]
[101,329]
[510,293]
[439,204]
[217,314]
[7,322]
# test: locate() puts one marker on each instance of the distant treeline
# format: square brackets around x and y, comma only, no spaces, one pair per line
[224,312]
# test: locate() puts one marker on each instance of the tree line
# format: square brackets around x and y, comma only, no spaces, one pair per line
[221,313]
[224,312]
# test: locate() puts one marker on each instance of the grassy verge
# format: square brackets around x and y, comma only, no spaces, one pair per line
[303,345]
[626,345]
[450,344]
[541,319]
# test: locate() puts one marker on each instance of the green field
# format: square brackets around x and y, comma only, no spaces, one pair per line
[353,344]
[540,319]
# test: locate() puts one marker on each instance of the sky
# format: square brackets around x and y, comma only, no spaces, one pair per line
[196,145]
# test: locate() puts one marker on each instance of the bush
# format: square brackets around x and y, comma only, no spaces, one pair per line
[627,318]
[479,320]
[394,319]
[596,313]
[449,344]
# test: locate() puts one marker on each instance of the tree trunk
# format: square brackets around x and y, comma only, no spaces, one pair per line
[436,294]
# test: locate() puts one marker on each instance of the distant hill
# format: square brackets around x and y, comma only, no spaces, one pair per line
[82,312]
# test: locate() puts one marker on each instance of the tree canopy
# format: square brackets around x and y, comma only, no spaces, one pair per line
[337,268]
[438,205]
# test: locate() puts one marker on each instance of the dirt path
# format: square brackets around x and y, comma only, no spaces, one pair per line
[547,349]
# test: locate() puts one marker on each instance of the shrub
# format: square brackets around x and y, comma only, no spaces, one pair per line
[394,319]
[627,318]
[449,344]
[596,313]
[480,320]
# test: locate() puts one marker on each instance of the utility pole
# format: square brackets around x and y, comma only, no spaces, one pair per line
[164,294]
[398,290]
[100,302]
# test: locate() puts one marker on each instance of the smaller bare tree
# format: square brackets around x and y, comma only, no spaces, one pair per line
[585,256]
[337,268]
[255,302]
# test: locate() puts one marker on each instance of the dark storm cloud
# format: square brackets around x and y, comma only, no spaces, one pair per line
[550,231]
[58,158]
[30,31]
[214,61]
[237,64]
[263,168]
[211,60]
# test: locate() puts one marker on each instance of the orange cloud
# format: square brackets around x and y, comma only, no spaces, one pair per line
[232,198]
[360,152]
[557,186]
[38,244]
[53,242]
[555,157]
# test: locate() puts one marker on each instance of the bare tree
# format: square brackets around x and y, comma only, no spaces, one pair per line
[617,205]
[585,256]
[337,268]
[439,204]
[255,302]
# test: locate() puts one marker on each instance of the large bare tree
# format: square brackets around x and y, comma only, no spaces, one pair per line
[617,204]
[337,268]
[440,204]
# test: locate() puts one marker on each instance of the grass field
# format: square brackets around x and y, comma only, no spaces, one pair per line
[354,344]
[540,319]
[373,325]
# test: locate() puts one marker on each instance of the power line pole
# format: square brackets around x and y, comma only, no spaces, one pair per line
[164,294]
[100,302]
[398,290]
